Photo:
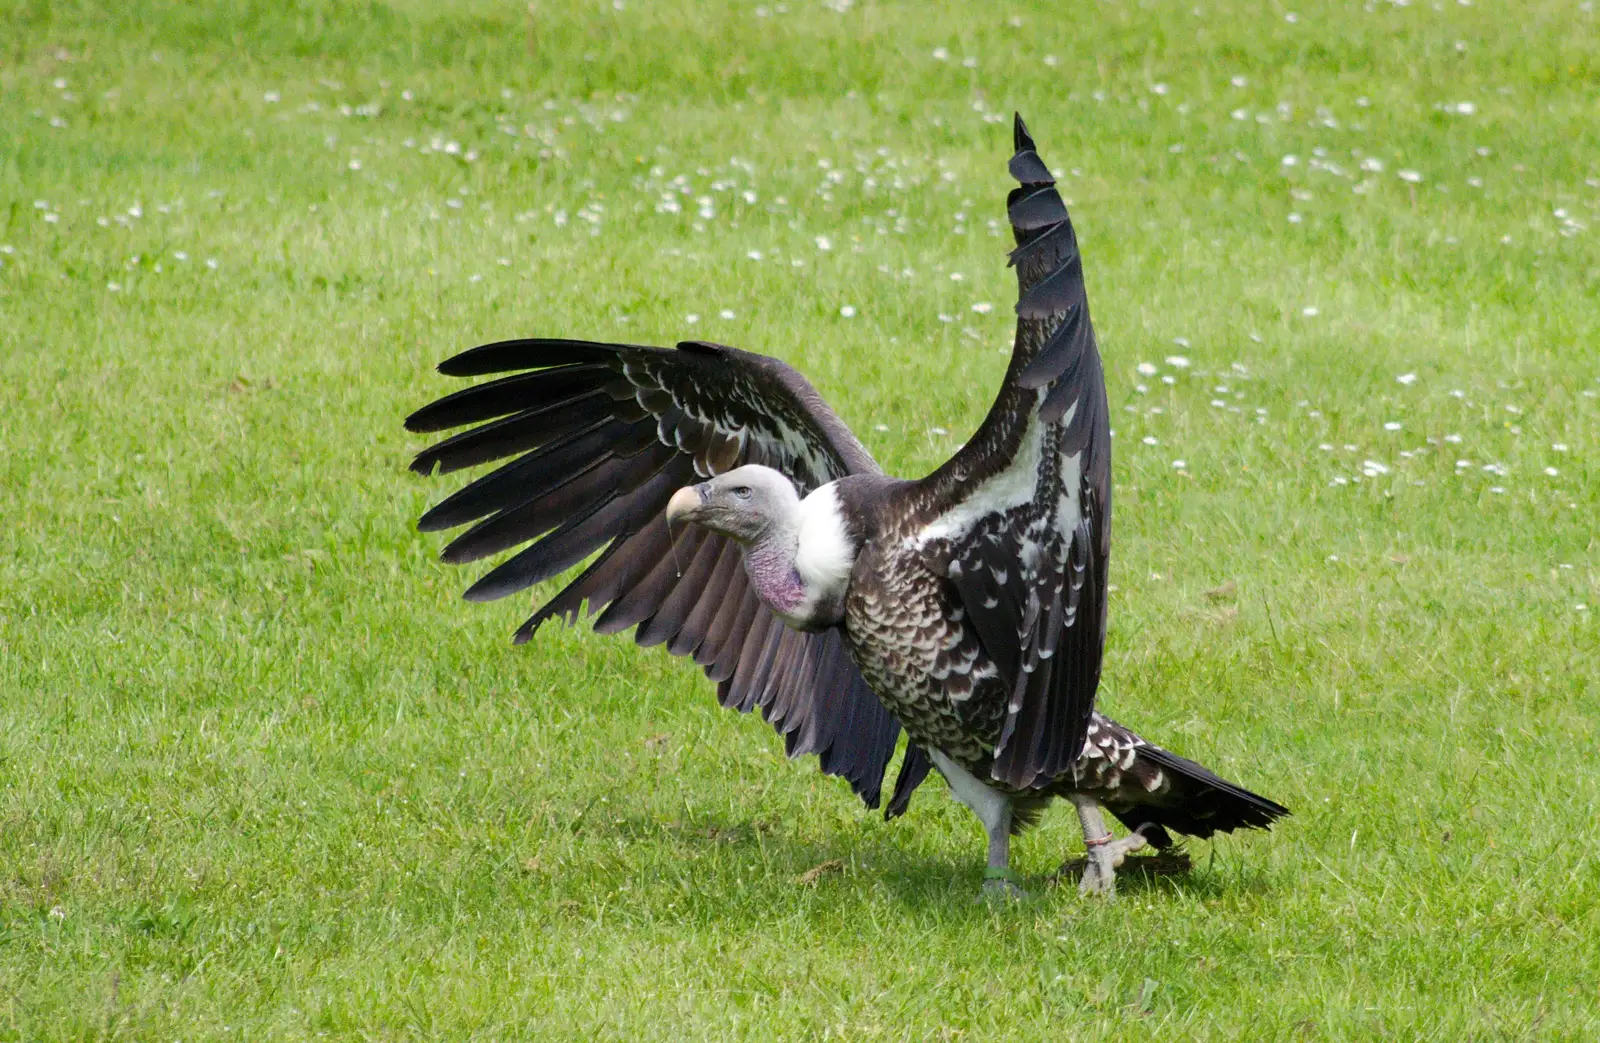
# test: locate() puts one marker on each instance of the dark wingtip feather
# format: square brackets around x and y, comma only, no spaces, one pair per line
[436,520]
[1047,247]
[1055,294]
[416,423]
[1059,354]
[525,353]
[1029,169]
[547,612]
[492,587]
[1036,209]
[523,392]
[1021,140]
[914,768]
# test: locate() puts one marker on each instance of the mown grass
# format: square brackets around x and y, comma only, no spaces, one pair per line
[263,775]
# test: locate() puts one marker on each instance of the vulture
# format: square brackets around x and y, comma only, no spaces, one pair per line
[724,510]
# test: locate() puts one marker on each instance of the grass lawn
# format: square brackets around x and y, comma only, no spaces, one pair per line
[264,776]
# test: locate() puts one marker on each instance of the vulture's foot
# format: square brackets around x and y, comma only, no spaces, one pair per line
[1171,862]
[1103,854]
[1101,863]
[1001,885]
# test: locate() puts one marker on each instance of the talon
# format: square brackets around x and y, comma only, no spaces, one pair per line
[1098,878]
[1001,890]
[1119,850]
[1102,854]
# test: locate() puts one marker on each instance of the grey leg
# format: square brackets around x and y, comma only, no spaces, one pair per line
[993,809]
[1104,855]
[997,876]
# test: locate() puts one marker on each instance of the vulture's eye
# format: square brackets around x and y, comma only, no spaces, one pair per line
[742,492]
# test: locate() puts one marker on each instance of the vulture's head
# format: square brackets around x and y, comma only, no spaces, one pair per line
[744,504]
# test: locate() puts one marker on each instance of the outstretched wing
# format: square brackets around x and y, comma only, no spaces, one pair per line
[1031,563]
[602,435]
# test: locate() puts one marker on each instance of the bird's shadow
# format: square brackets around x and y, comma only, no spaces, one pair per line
[870,858]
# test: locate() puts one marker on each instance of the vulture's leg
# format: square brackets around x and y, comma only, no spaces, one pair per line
[1104,854]
[993,809]
[998,877]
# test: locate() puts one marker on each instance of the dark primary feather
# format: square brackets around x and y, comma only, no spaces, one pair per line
[1050,707]
[914,767]
[598,438]
[1041,616]
[500,397]
[503,356]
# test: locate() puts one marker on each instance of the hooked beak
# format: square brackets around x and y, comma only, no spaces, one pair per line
[685,502]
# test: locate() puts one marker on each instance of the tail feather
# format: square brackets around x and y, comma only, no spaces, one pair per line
[1196,802]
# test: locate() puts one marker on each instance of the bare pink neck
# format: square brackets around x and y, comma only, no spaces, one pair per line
[770,566]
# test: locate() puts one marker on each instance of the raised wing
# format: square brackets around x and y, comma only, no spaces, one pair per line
[1030,565]
[602,435]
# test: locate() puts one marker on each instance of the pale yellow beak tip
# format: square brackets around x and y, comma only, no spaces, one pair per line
[683,502]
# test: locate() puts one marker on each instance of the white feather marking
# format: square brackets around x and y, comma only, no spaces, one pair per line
[1011,487]
[791,444]
[824,556]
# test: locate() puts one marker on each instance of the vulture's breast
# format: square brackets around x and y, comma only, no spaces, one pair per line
[904,627]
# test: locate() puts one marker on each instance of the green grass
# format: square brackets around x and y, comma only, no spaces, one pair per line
[263,775]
